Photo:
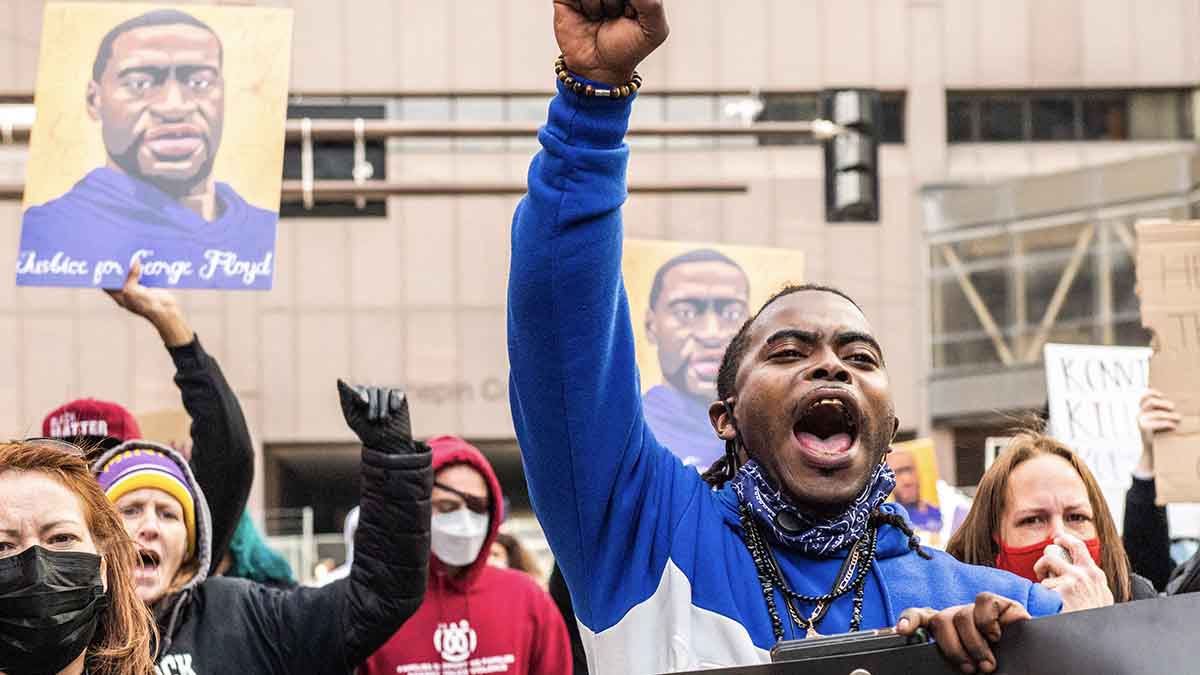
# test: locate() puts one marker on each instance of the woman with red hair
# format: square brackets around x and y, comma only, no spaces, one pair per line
[67,601]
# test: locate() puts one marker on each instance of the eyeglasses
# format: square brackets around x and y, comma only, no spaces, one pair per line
[57,444]
[480,505]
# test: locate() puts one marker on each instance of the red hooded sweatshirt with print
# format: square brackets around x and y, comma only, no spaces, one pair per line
[487,620]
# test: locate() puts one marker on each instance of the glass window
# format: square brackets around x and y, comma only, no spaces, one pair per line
[987,250]
[958,316]
[892,123]
[1042,278]
[1124,281]
[648,109]
[1059,239]
[1001,120]
[1156,115]
[738,110]
[1104,118]
[1131,333]
[691,109]
[960,120]
[334,160]
[976,351]
[424,109]
[1091,115]
[526,109]
[787,108]
[1054,119]
[483,110]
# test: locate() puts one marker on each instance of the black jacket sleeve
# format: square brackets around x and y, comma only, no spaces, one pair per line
[562,599]
[335,628]
[222,452]
[1146,535]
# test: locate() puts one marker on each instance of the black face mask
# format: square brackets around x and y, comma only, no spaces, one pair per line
[50,604]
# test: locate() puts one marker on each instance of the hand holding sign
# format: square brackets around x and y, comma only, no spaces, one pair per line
[155,305]
[1157,415]
[1168,273]
[965,633]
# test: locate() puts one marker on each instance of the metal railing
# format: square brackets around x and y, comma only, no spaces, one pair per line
[307,131]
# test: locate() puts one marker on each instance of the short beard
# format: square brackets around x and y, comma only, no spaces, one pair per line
[177,188]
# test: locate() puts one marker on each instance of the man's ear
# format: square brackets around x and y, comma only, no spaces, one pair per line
[722,421]
[92,100]
[651,336]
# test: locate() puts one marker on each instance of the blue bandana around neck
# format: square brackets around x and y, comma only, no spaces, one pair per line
[819,537]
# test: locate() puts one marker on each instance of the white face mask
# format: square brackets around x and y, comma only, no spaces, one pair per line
[457,537]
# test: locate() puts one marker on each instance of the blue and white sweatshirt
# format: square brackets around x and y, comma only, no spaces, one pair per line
[659,575]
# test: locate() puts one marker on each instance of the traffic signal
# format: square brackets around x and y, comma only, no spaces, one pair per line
[852,155]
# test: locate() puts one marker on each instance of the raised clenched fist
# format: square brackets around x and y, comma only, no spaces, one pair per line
[378,415]
[604,40]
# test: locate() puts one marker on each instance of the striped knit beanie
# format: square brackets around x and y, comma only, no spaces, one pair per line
[143,468]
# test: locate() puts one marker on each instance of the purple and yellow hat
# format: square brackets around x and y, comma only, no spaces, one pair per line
[144,468]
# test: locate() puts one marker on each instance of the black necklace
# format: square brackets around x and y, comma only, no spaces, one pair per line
[852,575]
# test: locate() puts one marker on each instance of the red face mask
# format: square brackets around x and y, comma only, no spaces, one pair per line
[1020,560]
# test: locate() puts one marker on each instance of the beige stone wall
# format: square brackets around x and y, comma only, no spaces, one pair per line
[418,297]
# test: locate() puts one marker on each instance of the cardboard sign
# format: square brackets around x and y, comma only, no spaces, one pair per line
[159,137]
[687,301]
[1168,273]
[1093,393]
[169,426]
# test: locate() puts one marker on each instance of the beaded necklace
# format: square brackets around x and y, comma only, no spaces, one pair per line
[851,576]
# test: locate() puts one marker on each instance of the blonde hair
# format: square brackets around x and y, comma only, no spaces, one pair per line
[974,541]
[124,640]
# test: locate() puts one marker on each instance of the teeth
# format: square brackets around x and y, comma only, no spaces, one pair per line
[841,405]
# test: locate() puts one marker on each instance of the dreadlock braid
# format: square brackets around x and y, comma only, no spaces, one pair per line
[718,473]
[897,521]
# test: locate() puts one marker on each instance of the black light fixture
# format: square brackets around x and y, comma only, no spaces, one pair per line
[852,155]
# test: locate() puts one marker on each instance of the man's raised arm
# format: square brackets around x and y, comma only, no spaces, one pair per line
[574,386]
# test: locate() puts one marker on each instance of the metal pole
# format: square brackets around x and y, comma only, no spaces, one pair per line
[344,130]
[307,547]
[349,190]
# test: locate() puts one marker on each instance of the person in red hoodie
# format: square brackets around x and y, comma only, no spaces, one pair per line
[476,618]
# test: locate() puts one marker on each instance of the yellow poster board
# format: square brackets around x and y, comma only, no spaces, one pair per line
[687,300]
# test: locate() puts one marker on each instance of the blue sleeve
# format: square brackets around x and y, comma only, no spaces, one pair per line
[1043,601]
[606,493]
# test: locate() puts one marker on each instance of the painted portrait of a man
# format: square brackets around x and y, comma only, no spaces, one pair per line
[157,97]
[697,302]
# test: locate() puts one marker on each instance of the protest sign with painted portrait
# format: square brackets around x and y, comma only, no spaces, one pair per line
[687,301]
[159,137]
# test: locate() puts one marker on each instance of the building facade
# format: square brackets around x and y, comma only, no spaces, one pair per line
[412,290]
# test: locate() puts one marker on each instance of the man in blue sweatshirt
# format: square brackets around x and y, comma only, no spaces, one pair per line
[789,536]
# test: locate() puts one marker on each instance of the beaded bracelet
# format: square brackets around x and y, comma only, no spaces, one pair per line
[623,91]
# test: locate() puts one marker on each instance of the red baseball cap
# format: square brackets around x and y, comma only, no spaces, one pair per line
[90,418]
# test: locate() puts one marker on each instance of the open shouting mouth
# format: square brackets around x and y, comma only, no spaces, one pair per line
[148,562]
[827,428]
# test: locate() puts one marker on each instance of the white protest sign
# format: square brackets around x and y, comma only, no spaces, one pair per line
[1094,393]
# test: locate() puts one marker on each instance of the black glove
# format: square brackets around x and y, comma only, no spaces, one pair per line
[379,415]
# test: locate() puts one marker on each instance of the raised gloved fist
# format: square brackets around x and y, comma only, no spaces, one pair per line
[378,415]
